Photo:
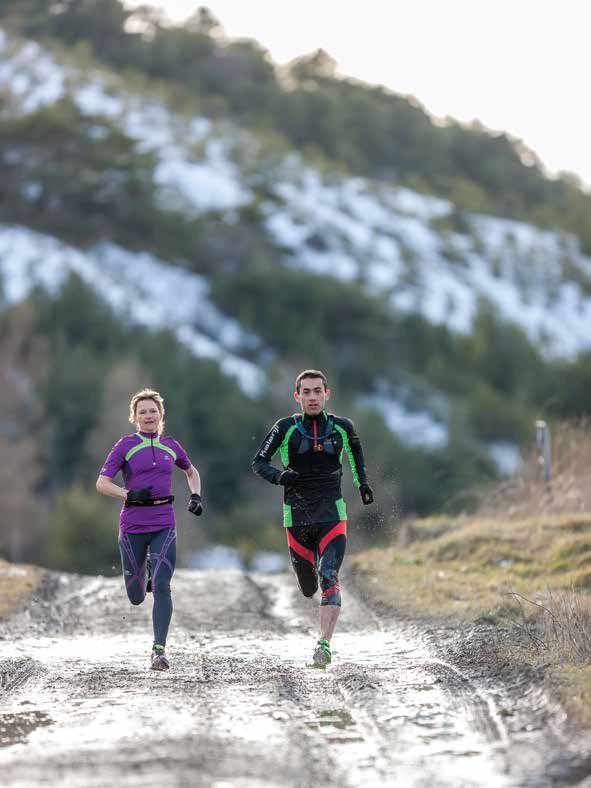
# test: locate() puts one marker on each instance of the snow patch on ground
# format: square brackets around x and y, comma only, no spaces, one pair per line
[139,288]
[415,428]
[217,556]
[29,77]
[423,430]
[403,244]
[194,166]
[506,456]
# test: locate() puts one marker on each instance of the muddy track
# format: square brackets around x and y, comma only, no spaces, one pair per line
[241,706]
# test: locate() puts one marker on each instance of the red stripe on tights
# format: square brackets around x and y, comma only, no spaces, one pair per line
[300,549]
[331,591]
[339,528]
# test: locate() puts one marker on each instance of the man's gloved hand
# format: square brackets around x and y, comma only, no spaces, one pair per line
[195,506]
[289,478]
[366,493]
[141,495]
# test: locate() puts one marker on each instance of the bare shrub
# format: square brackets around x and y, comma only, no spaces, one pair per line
[561,626]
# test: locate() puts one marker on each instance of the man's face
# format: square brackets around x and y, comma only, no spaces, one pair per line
[312,396]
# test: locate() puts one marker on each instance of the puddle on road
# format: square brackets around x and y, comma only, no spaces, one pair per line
[339,718]
[336,725]
[15,728]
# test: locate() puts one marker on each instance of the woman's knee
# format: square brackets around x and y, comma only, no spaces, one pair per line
[136,596]
[161,587]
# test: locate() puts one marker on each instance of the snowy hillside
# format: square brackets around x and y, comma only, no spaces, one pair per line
[139,287]
[30,78]
[155,294]
[390,240]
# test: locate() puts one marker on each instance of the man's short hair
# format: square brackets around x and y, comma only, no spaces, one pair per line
[311,373]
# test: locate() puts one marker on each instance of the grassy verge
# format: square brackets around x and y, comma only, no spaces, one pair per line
[530,577]
[17,583]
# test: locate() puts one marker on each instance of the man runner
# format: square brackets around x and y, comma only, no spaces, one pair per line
[311,446]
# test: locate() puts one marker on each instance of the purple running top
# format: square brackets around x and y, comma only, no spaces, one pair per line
[145,459]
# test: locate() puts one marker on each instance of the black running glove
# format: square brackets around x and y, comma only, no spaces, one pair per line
[195,506]
[366,493]
[289,478]
[139,496]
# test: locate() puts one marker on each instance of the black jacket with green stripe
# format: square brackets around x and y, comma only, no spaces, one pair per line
[314,447]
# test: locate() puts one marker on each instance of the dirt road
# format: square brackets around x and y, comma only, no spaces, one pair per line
[240,706]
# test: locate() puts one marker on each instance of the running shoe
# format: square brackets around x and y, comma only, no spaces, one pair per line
[149,569]
[322,655]
[158,658]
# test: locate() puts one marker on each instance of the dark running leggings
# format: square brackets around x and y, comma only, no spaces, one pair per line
[318,551]
[134,557]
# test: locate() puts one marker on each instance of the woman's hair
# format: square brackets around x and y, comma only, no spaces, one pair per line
[146,394]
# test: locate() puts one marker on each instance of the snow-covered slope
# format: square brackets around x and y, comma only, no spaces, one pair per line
[194,168]
[414,248]
[139,287]
[385,238]
[397,241]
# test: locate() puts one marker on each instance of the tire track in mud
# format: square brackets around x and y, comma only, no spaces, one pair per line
[15,673]
[479,705]
[372,691]
[240,706]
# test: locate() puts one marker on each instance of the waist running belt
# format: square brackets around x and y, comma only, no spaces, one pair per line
[153,501]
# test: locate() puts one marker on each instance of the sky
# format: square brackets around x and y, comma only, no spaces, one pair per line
[519,66]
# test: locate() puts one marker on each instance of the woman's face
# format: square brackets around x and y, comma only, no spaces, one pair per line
[147,416]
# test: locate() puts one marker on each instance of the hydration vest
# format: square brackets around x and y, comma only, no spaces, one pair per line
[319,443]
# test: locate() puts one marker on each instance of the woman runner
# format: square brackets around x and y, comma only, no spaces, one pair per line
[147,522]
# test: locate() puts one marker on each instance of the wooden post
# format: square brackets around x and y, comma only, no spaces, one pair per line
[544,444]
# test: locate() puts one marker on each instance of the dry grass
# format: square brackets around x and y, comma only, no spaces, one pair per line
[527,495]
[17,583]
[523,561]
[560,627]
[468,567]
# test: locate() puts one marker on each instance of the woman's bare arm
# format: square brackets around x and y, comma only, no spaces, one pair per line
[105,485]
[193,480]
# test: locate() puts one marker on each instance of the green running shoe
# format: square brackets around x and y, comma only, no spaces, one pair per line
[158,658]
[322,655]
